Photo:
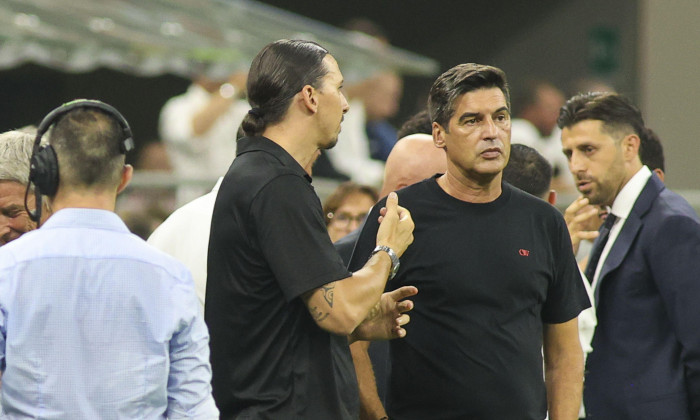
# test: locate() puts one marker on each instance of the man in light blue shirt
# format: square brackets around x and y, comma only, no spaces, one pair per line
[95,323]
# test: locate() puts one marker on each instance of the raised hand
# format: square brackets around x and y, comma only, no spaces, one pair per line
[396,225]
[582,220]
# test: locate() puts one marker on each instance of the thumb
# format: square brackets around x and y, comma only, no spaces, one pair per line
[403,292]
[392,202]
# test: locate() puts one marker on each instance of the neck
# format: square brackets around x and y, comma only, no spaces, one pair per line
[469,189]
[296,142]
[87,199]
[632,168]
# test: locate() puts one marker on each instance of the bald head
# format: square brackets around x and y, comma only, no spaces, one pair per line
[412,159]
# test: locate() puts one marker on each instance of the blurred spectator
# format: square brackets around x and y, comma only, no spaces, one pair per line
[651,152]
[537,109]
[529,171]
[199,129]
[380,97]
[346,208]
[153,156]
[15,153]
[419,123]
[142,222]
[143,208]
[367,136]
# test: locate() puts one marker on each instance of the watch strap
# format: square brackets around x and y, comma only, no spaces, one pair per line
[392,255]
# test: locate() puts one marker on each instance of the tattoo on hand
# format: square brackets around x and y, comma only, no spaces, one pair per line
[374,312]
[317,315]
[328,293]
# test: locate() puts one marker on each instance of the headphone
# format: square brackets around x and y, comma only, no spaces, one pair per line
[43,169]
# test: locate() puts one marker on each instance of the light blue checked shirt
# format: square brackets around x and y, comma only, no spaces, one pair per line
[96,324]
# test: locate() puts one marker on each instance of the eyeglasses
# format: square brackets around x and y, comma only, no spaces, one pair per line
[344,220]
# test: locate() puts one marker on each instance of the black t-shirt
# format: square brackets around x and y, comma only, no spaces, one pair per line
[268,245]
[488,276]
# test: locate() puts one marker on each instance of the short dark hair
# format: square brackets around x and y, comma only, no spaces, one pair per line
[614,110]
[279,71]
[528,170]
[87,144]
[651,151]
[419,123]
[459,80]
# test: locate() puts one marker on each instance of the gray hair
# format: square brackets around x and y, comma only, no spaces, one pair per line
[15,154]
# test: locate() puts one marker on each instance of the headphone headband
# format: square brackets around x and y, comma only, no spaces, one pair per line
[126,145]
[43,172]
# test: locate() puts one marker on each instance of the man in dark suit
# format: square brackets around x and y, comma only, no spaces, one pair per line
[644,268]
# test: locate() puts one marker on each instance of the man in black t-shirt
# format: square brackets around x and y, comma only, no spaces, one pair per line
[280,305]
[497,275]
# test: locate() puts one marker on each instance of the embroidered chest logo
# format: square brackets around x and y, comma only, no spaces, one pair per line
[524,252]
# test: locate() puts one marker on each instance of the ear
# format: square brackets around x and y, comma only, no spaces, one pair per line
[127,173]
[438,136]
[630,146]
[309,99]
[552,197]
[659,173]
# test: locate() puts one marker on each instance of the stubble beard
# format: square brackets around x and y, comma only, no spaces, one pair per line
[599,196]
[331,144]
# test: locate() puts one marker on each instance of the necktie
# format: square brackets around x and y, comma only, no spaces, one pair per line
[598,246]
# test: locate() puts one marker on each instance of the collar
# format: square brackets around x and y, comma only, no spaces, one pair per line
[85,218]
[218,184]
[263,144]
[622,206]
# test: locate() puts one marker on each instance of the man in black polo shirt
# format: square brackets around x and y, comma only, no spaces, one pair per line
[280,305]
[496,271]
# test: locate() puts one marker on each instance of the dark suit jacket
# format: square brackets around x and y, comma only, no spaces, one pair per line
[346,244]
[645,362]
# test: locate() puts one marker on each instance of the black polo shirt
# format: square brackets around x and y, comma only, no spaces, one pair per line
[268,245]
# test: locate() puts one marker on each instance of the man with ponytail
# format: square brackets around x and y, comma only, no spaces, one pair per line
[280,304]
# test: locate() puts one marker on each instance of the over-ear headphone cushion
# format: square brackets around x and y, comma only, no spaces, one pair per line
[44,170]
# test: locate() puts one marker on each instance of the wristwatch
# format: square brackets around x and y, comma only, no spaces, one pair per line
[395,264]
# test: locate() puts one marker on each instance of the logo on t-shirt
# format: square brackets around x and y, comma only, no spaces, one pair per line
[524,252]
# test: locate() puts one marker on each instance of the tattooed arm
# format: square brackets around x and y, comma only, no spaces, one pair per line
[337,306]
[340,306]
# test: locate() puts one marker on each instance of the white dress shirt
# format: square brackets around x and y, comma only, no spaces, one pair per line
[185,236]
[621,208]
